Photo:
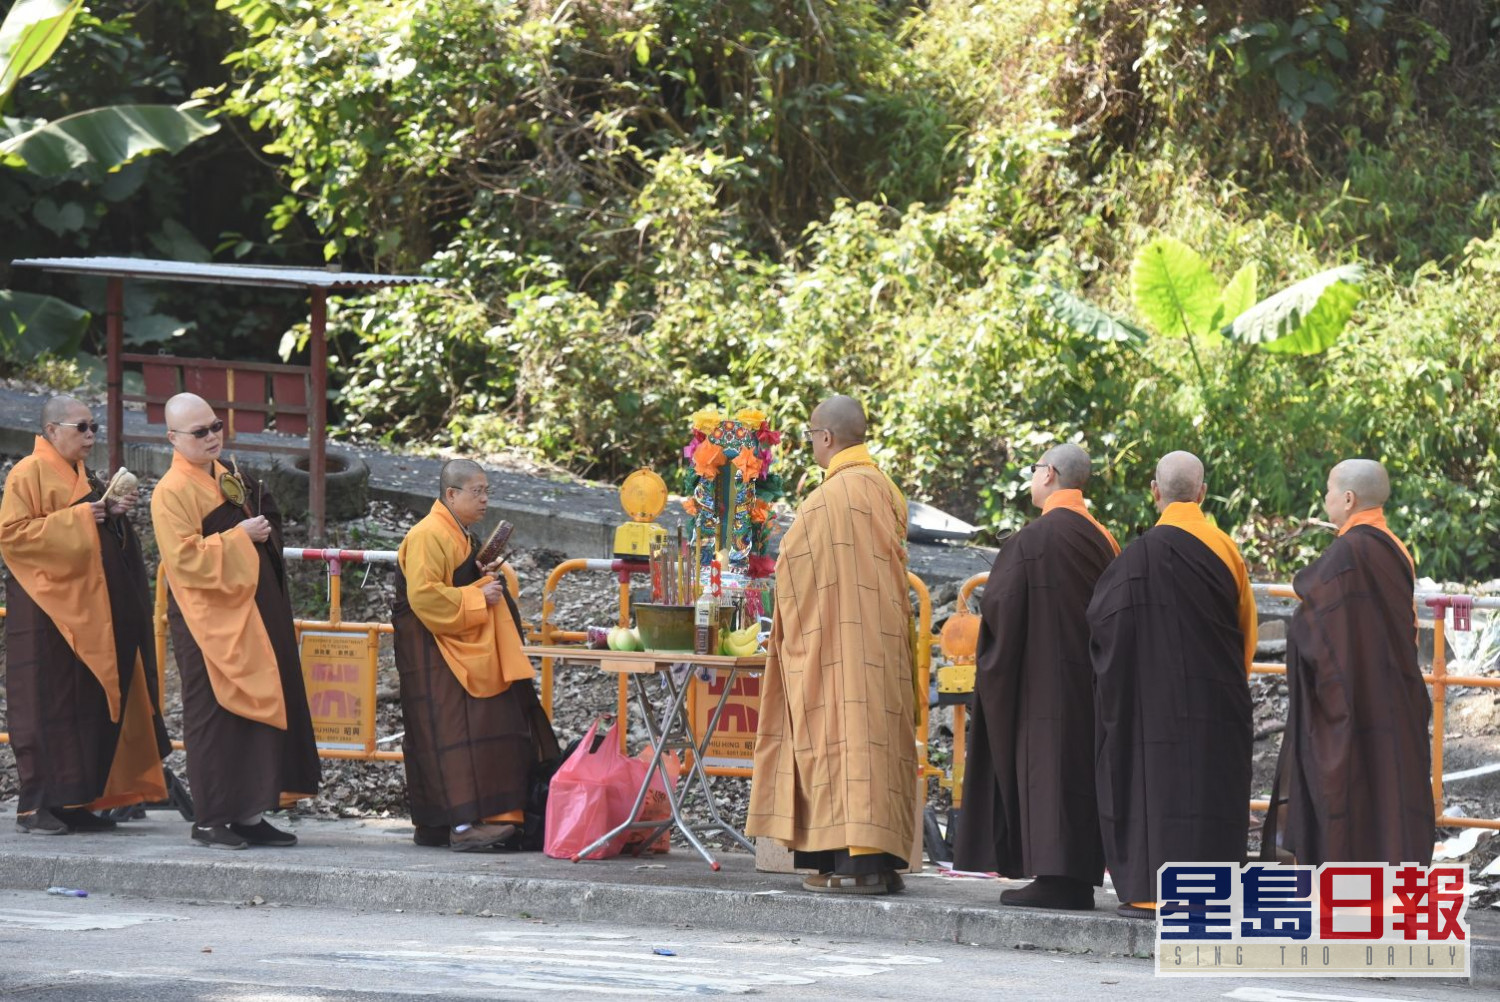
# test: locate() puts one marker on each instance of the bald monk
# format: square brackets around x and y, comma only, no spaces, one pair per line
[1172,625]
[81,666]
[835,758]
[1355,759]
[245,720]
[474,727]
[1029,804]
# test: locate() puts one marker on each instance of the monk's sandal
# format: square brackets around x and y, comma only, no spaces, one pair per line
[836,883]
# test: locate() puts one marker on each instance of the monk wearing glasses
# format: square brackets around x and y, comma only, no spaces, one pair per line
[474,727]
[83,711]
[245,718]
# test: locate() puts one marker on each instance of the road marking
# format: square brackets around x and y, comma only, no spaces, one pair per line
[1257,993]
[521,961]
[65,922]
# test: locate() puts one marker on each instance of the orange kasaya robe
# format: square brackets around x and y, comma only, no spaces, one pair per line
[214,579]
[835,754]
[51,545]
[1189,517]
[481,643]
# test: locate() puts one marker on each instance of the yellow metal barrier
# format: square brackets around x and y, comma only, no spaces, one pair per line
[1438,679]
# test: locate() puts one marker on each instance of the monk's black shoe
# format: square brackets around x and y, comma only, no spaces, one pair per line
[40,822]
[481,837]
[431,836]
[218,837]
[1136,912]
[81,819]
[1061,893]
[264,833]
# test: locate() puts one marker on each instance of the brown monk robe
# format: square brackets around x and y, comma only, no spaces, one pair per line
[1355,763]
[1029,804]
[835,756]
[84,723]
[474,727]
[1172,627]
[245,720]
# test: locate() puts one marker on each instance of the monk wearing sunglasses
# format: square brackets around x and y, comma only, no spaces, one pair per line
[245,719]
[83,713]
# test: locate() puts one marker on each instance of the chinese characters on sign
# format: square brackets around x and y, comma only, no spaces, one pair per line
[733,743]
[340,690]
[1338,919]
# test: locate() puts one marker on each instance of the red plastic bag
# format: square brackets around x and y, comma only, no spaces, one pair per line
[655,807]
[590,794]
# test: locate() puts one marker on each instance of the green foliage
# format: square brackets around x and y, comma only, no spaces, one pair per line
[1002,223]
[97,142]
[1174,289]
[32,325]
[29,35]
[1303,55]
[1303,319]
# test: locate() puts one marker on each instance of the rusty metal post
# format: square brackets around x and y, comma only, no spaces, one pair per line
[1439,701]
[159,628]
[114,329]
[317,430]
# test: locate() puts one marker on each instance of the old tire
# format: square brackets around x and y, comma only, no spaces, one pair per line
[347,485]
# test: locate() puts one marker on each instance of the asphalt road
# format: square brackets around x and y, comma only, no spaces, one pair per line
[104,948]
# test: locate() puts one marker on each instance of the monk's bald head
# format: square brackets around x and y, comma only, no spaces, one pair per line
[186,411]
[1179,477]
[1071,465]
[835,425]
[63,408]
[1355,485]
[844,417]
[61,417]
[191,429]
[457,474]
[1365,479]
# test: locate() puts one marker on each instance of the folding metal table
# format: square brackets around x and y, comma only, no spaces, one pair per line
[671,729]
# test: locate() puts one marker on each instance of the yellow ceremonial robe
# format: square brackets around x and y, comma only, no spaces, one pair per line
[835,752]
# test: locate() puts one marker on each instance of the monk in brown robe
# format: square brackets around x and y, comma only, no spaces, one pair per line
[245,719]
[835,756]
[81,666]
[1029,804]
[1172,625]
[474,726]
[1355,761]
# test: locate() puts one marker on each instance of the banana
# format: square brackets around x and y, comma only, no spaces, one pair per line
[741,643]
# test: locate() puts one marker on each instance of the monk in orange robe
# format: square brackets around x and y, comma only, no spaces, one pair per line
[85,722]
[1172,635]
[245,719]
[835,751]
[474,726]
[1355,761]
[1029,806]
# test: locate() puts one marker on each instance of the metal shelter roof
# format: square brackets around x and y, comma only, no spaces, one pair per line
[219,274]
